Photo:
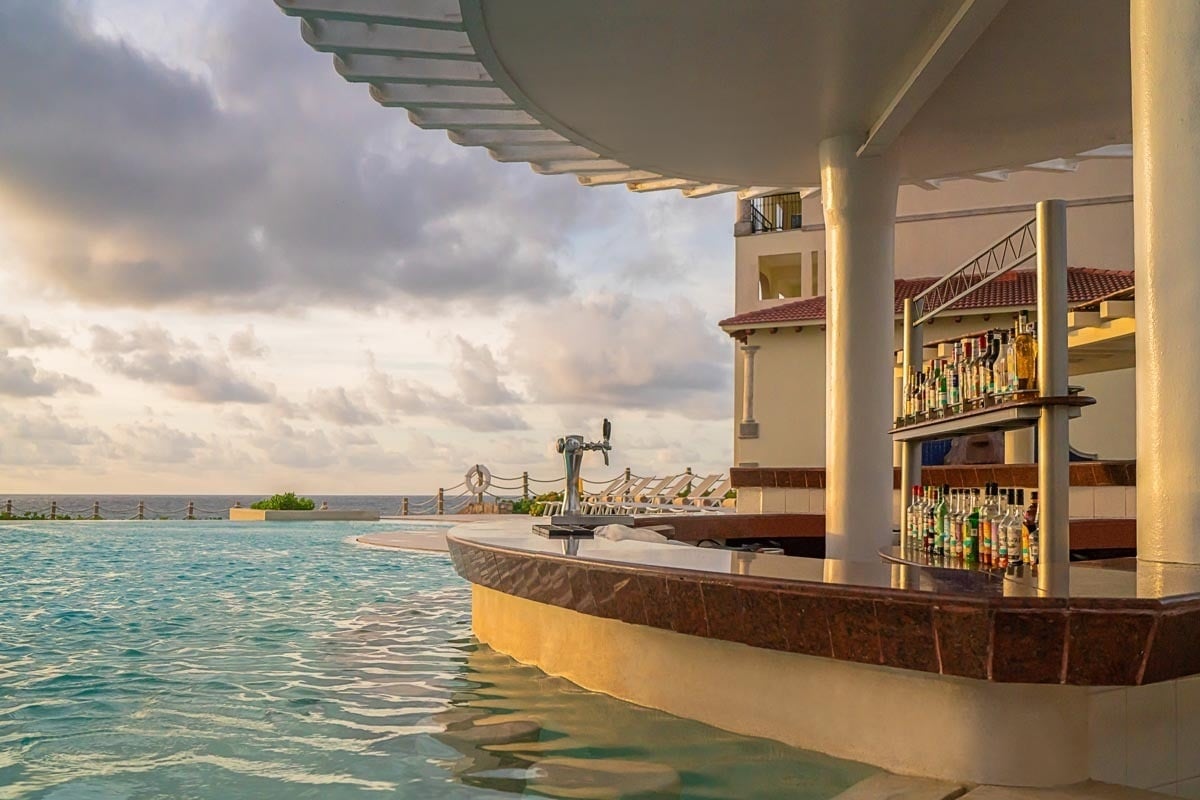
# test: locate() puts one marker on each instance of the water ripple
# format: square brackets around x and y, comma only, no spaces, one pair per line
[211,660]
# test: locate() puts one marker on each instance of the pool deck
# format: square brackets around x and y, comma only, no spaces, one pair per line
[430,540]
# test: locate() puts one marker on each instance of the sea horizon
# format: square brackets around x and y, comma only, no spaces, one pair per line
[208,505]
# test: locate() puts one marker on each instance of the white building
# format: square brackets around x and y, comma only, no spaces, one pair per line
[779,301]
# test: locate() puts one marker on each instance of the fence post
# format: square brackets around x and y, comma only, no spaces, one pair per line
[141,509]
[404,507]
[53,509]
[441,505]
[627,474]
[191,509]
[96,510]
[8,507]
[525,485]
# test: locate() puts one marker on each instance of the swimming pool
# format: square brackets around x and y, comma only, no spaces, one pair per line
[221,660]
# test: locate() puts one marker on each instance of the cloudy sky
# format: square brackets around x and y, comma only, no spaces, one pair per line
[226,270]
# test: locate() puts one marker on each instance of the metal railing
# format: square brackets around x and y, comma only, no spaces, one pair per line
[776,212]
[1010,252]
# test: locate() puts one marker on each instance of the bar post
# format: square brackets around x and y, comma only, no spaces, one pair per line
[1054,479]
[910,452]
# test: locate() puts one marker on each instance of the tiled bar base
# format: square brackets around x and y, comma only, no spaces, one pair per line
[1070,688]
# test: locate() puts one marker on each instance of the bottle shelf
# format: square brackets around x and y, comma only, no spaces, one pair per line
[920,558]
[1003,416]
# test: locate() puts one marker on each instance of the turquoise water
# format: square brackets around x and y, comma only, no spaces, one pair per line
[214,660]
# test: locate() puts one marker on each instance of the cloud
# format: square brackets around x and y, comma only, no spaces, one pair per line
[151,354]
[478,376]
[403,397]
[131,182]
[17,332]
[245,343]
[616,351]
[335,405]
[156,443]
[21,377]
[40,438]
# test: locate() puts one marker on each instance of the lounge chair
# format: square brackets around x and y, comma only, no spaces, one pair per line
[660,501]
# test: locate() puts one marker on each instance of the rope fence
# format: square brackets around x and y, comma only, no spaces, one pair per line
[500,494]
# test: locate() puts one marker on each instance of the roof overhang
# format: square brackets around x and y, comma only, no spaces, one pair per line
[707,96]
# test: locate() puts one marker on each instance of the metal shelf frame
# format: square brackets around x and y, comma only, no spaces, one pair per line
[1050,411]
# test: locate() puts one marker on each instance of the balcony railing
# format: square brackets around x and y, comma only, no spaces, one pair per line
[775,212]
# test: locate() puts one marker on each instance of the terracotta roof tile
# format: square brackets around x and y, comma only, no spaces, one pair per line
[1017,288]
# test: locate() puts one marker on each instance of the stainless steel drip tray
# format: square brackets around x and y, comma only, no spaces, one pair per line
[591,520]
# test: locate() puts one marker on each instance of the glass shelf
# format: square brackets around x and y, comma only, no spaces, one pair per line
[1005,416]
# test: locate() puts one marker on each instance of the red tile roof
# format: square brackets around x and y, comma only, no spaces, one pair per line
[1016,289]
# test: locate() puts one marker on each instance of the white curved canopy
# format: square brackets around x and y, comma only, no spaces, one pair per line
[709,96]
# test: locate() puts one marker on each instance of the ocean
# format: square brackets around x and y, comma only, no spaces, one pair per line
[207,506]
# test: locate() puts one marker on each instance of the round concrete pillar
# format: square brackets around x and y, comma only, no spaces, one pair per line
[1165,43]
[859,196]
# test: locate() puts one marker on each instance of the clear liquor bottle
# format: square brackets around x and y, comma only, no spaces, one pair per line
[1024,529]
[914,515]
[942,517]
[1000,367]
[957,517]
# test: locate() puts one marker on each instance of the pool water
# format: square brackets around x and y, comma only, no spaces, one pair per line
[220,660]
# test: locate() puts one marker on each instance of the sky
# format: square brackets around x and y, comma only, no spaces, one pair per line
[224,269]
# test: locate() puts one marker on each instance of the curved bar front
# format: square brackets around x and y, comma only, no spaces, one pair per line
[852,659]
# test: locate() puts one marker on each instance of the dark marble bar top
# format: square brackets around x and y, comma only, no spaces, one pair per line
[1120,622]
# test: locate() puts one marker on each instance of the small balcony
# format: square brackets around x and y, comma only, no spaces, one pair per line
[773,212]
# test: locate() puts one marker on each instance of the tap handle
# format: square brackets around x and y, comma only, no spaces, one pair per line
[561,445]
[607,433]
[604,452]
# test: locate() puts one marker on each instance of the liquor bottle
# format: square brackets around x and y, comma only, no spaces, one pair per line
[943,386]
[985,527]
[971,528]
[1024,529]
[1026,351]
[930,518]
[914,514]
[955,523]
[1031,523]
[942,514]
[1000,367]
[989,369]
[964,372]
[1010,361]
[1015,524]
[1003,527]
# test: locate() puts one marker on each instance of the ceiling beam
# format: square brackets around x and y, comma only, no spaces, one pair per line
[970,20]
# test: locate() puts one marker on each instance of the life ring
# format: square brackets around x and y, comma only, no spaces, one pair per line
[478,479]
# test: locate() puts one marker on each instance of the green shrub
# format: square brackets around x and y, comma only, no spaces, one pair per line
[285,502]
[534,506]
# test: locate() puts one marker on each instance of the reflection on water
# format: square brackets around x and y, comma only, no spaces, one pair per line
[212,660]
[513,728]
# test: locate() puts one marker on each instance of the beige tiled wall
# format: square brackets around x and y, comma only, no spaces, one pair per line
[1147,736]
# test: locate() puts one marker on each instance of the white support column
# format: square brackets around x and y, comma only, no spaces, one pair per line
[859,196]
[1054,446]
[1165,40]
[748,427]
[910,452]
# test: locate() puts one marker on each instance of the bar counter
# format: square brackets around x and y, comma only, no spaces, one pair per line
[1120,623]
